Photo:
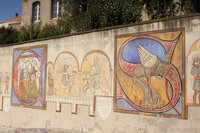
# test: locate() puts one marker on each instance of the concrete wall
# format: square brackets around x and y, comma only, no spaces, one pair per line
[100,118]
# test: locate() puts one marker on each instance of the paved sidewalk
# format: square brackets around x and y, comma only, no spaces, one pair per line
[17,130]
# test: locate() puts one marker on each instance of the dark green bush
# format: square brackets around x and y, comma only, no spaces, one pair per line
[30,32]
[48,30]
[8,35]
[109,13]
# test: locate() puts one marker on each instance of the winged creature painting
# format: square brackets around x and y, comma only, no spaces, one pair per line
[150,63]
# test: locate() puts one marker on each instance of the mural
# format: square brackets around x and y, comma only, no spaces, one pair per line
[66,83]
[5,76]
[193,74]
[4,86]
[29,70]
[62,75]
[4,83]
[96,80]
[149,73]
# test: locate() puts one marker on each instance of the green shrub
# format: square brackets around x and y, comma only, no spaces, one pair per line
[8,35]
[30,32]
[63,27]
[109,13]
[48,30]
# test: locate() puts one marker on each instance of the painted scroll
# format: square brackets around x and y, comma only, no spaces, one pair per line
[149,69]
[29,70]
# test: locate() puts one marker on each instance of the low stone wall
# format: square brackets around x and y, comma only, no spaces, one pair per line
[107,80]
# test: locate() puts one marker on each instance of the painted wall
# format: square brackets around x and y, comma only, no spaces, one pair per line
[80,82]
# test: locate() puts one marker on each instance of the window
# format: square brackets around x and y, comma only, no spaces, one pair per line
[55,9]
[36,11]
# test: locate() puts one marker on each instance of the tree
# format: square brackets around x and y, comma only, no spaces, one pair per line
[190,6]
[72,8]
[94,14]
[157,9]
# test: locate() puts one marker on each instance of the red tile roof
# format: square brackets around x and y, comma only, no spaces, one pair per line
[18,19]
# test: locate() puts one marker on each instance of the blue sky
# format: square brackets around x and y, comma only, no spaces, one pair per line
[8,8]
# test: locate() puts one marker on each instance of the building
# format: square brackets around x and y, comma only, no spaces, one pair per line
[44,11]
[13,22]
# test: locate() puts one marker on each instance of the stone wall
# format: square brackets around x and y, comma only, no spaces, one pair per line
[70,82]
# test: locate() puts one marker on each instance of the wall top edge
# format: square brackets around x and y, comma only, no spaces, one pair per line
[105,29]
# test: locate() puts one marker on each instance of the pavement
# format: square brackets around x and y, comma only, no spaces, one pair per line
[34,130]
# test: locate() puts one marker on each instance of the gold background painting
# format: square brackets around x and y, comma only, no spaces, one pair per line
[163,87]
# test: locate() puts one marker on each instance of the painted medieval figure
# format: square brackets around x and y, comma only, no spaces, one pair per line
[32,88]
[50,83]
[65,74]
[1,81]
[67,78]
[95,73]
[23,83]
[7,79]
[71,80]
[196,73]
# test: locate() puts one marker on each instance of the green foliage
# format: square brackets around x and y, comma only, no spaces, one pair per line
[63,27]
[80,15]
[73,8]
[109,13]
[36,31]
[8,35]
[50,30]
[190,6]
[156,9]
[30,32]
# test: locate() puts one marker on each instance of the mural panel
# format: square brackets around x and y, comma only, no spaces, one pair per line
[96,74]
[5,77]
[29,70]
[66,83]
[63,75]
[149,73]
[193,74]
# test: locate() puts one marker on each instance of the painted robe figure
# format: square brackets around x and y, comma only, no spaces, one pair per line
[196,73]
[50,83]
[1,81]
[7,79]
[65,75]
[23,83]
[95,73]
[32,88]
